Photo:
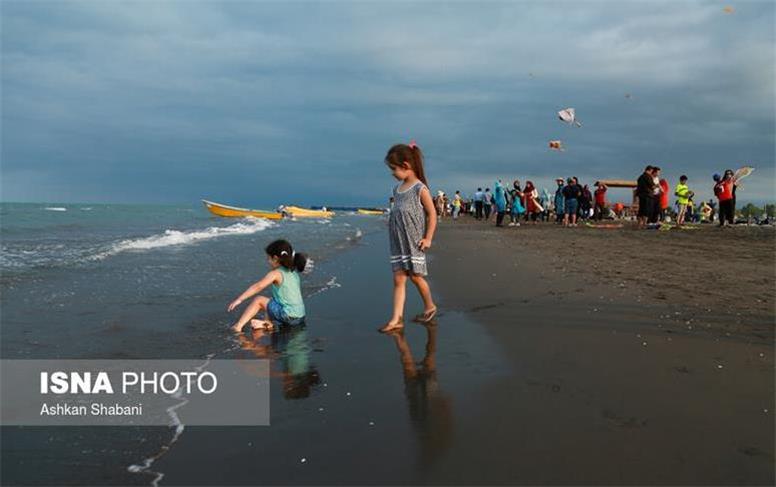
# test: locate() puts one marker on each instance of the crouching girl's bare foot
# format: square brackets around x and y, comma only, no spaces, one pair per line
[262,325]
[393,325]
[237,328]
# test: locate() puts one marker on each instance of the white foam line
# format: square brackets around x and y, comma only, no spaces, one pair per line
[331,284]
[145,466]
[55,208]
[177,237]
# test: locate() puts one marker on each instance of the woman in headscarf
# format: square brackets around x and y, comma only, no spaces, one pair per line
[516,194]
[531,202]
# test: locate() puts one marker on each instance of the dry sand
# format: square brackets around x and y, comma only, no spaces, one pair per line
[638,357]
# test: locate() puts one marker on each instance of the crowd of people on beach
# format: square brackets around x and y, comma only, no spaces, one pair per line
[573,202]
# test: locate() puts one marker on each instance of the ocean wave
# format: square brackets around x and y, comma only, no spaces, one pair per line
[55,208]
[176,237]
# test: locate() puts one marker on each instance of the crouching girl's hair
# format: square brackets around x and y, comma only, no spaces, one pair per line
[289,259]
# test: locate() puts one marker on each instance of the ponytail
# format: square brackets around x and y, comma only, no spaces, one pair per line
[287,257]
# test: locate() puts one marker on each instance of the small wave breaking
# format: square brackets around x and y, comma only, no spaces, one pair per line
[178,237]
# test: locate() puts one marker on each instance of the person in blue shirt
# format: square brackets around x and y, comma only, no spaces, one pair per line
[478,197]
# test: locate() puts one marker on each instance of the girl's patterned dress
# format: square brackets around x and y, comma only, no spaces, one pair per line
[406,227]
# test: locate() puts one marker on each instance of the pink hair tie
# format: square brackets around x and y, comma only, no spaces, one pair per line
[412,144]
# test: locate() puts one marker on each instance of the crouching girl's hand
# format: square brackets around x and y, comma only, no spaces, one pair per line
[233,304]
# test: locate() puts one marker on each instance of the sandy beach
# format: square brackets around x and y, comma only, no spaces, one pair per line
[637,358]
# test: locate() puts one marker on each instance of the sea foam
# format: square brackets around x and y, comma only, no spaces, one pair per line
[177,237]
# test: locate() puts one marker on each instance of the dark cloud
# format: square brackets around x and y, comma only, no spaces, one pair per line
[262,103]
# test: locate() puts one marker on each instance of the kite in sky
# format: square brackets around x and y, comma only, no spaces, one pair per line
[569,116]
[729,9]
[743,172]
[556,145]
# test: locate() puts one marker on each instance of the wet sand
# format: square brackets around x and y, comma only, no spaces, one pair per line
[622,372]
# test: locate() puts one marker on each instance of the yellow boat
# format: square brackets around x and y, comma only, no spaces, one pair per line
[307,213]
[231,211]
[370,212]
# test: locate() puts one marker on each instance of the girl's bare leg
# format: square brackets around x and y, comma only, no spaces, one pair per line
[425,292]
[258,303]
[399,296]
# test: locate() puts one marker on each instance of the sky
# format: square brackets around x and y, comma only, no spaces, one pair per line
[260,103]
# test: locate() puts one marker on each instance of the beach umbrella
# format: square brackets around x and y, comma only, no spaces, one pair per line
[568,115]
[556,145]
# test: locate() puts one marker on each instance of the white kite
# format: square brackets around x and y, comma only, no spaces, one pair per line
[569,116]
[743,172]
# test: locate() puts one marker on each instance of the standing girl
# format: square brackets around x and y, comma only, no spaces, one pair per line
[411,227]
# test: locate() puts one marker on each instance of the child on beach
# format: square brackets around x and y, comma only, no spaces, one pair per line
[286,306]
[411,227]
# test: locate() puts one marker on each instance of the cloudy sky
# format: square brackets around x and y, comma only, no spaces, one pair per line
[261,103]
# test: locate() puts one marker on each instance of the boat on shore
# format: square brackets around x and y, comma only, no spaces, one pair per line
[299,212]
[233,211]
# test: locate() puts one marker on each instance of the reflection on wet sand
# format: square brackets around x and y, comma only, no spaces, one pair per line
[288,350]
[430,409]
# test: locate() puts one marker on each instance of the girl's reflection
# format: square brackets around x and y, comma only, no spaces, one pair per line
[430,409]
[288,350]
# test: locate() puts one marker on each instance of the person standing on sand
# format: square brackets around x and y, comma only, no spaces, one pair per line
[571,193]
[500,202]
[560,209]
[725,193]
[664,199]
[532,205]
[600,201]
[439,203]
[544,202]
[683,195]
[411,227]
[657,193]
[586,202]
[517,209]
[644,193]
[456,205]
[487,203]
[478,199]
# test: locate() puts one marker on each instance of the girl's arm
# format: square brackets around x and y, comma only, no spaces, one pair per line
[431,219]
[256,288]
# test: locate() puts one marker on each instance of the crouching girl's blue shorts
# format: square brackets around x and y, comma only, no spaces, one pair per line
[278,315]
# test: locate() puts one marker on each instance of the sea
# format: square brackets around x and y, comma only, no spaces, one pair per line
[110,281]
